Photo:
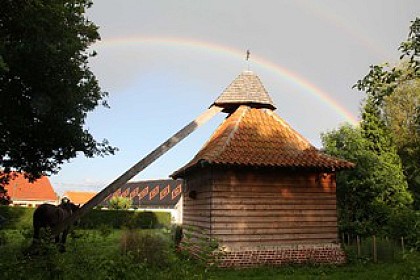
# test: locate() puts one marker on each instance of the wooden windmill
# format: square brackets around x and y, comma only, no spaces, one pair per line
[238,94]
[258,183]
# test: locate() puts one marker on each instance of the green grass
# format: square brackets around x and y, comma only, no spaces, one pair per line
[96,254]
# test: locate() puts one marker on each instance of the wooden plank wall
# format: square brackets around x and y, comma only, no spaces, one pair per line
[196,212]
[253,208]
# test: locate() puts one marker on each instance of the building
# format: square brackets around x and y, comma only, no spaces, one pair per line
[153,195]
[24,193]
[78,197]
[259,188]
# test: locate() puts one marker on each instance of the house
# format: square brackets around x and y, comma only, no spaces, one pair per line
[259,188]
[153,195]
[24,193]
[78,197]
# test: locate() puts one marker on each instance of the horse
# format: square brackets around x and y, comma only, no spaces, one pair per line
[49,216]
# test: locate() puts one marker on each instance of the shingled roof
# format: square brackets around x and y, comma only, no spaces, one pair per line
[79,197]
[163,193]
[245,89]
[19,188]
[259,137]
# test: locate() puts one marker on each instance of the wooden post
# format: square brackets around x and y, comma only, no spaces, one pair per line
[139,166]
[358,245]
[375,253]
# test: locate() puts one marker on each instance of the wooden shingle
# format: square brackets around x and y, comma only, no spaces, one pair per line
[246,89]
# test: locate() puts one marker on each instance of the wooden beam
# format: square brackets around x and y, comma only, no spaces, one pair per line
[139,166]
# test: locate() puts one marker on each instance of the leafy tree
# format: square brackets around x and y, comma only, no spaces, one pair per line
[400,109]
[395,90]
[382,80]
[4,198]
[119,203]
[388,172]
[46,86]
[368,194]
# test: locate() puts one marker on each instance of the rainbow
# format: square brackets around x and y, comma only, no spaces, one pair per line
[264,63]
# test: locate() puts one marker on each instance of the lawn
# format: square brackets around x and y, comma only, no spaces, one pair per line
[120,254]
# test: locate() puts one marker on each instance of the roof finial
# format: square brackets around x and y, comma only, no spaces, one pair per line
[248,54]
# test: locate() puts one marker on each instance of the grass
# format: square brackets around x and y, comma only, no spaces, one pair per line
[96,254]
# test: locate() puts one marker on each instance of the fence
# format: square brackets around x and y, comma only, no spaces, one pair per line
[377,249]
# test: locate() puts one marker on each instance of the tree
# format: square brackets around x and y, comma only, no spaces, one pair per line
[400,110]
[119,203]
[390,179]
[46,86]
[395,90]
[368,194]
[4,198]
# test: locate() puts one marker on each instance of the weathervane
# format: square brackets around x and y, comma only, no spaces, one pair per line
[248,54]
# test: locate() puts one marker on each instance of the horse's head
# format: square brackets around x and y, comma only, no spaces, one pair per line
[70,207]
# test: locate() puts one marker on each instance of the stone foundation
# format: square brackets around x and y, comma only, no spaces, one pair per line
[295,254]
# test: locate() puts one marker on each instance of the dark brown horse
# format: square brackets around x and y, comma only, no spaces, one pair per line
[49,216]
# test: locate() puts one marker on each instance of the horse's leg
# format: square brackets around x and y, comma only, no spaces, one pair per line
[36,232]
[62,245]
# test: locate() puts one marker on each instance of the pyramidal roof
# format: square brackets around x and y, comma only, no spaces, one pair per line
[259,137]
[246,89]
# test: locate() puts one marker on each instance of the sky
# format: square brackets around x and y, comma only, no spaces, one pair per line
[163,63]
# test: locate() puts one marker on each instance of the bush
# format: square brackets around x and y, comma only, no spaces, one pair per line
[144,247]
[17,217]
[131,219]
[119,203]
[21,218]
[405,223]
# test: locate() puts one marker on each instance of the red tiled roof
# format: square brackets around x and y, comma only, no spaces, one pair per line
[79,197]
[259,137]
[245,89]
[20,188]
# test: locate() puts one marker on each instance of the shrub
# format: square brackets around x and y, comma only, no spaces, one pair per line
[21,218]
[405,223]
[144,247]
[131,219]
[119,203]
[17,217]
[177,234]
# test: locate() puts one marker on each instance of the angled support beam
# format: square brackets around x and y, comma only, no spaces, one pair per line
[139,166]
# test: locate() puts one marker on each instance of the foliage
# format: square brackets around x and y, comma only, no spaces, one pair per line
[201,245]
[382,80]
[46,86]
[99,258]
[369,193]
[4,197]
[21,218]
[400,109]
[145,247]
[388,175]
[406,224]
[395,90]
[131,219]
[177,234]
[119,203]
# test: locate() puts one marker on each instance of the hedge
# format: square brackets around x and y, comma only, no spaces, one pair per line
[21,218]
[121,218]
